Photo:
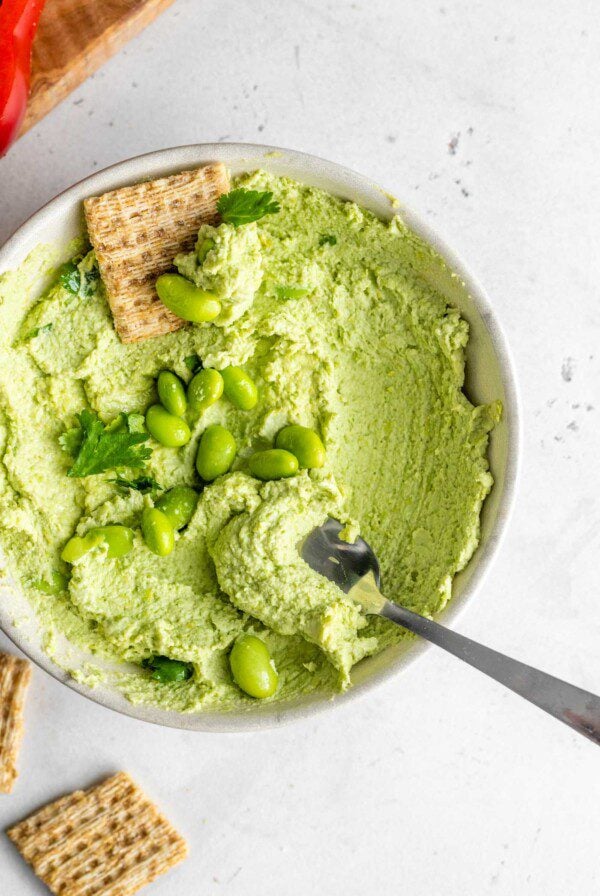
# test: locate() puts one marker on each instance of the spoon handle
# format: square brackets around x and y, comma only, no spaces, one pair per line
[572,705]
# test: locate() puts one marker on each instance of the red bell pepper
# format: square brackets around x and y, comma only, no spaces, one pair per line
[18,23]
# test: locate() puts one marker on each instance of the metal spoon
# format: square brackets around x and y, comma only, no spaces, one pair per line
[354,568]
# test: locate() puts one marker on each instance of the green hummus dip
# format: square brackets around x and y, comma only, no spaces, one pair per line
[323,306]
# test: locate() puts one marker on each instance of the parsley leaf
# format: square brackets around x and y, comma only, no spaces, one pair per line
[77,281]
[96,448]
[327,239]
[193,363]
[70,277]
[243,206]
[143,484]
[168,670]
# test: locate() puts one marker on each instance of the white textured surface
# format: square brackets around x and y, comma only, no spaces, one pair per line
[485,118]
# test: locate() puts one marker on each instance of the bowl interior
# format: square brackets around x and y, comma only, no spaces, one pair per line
[489,376]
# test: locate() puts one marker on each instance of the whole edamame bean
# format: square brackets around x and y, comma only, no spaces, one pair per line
[158,532]
[186,300]
[166,428]
[171,393]
[275,463]
[216,452]
[304,443]
[79,545]
[204,389]
[239,388]
[178,505]
[118,538]
[252,668]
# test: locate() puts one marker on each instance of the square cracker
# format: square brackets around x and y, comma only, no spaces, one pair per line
[108,840]
[137,231]
[15,674]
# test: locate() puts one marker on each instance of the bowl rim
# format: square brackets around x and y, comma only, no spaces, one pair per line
[178,158]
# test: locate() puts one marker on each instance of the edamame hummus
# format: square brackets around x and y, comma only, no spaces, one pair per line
[321,307]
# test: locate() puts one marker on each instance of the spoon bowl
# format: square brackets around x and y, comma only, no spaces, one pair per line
[344,563]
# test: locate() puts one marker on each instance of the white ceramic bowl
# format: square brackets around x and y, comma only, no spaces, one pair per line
[490,375]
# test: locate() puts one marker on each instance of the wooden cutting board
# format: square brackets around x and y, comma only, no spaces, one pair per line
[74,38]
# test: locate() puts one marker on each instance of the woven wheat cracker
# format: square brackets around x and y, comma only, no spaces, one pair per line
[108,840]
[137,231]
[14,681]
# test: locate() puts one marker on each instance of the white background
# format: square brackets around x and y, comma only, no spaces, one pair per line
[484,116]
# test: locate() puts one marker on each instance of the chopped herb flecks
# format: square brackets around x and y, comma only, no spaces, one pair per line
[193,363]
[143,484]
[90,278]
[70,277]
[78,278]
[167,670]
[36,331]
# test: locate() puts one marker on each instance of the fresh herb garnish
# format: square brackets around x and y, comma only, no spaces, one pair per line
[36,332]
[70,277]
[293,291]
[77,282]
[96,448]
[193,363]
[327,239]
[143,484]
[90,278]
[243,206]
[167,670]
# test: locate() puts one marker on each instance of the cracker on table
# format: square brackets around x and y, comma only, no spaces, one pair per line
[137,231]
[108,840]
[15,674]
